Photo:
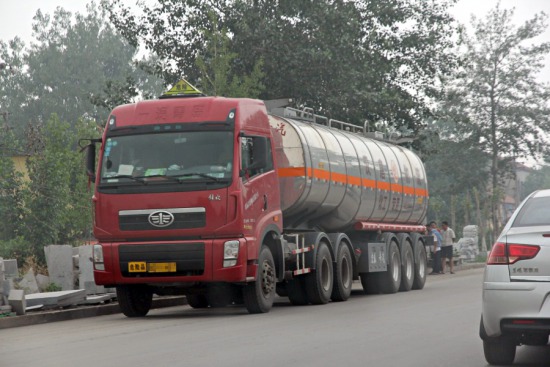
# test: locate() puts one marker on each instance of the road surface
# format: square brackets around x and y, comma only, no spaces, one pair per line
[437,326]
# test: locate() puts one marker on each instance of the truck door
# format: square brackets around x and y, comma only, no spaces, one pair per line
[261,202]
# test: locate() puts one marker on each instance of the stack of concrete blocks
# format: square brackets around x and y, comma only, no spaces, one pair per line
[72,268]
[468,245]
[12,299]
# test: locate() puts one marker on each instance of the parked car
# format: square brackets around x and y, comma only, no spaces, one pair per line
[516,285]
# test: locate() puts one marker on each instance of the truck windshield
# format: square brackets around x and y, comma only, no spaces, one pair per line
[172,157]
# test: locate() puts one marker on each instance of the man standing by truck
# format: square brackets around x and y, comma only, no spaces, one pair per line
[438,240]
[447,246]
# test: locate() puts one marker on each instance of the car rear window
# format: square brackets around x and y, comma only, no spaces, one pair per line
[535,212]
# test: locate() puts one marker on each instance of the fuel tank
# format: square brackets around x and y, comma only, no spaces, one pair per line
[331,178]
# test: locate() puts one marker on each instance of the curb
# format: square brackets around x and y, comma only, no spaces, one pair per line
[81,312]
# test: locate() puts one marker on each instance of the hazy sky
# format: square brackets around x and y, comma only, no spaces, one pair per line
[16,16]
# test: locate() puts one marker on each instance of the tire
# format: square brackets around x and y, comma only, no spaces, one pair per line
[420,262]
[296,291]
[281,290]
[499,351]
[197,300]
[390,280]
[343,274]
[370,283]
[407,264]
[218,295]
[134,300]
[260,295]
[319,283]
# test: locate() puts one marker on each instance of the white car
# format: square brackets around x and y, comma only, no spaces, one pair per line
[516,284]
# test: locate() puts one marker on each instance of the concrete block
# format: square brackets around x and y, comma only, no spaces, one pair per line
[59,259]
[7,286]
[16,300]
[56,299]
[43,281]
[86,269]
[28,282]
[10,268]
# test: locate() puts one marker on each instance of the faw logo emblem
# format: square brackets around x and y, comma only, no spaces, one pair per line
[161,219]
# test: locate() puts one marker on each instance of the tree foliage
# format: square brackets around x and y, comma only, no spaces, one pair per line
[501,106]
[72,59]
[355,60]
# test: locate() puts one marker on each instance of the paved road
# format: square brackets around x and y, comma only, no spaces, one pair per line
[433,327]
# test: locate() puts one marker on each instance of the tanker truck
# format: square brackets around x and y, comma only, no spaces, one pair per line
[225,202]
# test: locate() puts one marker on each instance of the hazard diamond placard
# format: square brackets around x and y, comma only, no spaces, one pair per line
[183,87]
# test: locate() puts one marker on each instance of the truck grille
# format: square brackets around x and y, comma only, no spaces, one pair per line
[189,258]
[184,218]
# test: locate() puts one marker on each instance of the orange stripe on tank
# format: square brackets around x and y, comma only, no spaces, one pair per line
[321,174]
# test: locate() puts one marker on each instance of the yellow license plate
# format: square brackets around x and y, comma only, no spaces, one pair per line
[162,267]
[137,267]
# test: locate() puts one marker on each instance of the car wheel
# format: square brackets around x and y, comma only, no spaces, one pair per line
[499,351]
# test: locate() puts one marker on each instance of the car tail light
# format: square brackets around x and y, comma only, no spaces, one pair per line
[522,252]
[503,254]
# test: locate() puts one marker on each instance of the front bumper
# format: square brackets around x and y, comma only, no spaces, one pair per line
[196,261]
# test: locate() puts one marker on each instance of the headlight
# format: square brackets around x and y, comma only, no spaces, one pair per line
[230,253]
[98,258]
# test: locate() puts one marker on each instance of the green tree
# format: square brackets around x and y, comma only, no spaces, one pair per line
[355,60]
[497,97]
[57,201]
[11,183]
[454,169]
[217,76]
[539,179]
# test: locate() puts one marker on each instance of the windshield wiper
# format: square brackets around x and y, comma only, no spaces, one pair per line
[204,175]
[138,178]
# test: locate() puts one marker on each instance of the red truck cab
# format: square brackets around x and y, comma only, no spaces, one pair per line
[186,192]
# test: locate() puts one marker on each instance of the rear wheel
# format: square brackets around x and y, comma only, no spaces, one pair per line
[319,283]
[390,280]
[343,274]
[259,296]
[134,300]
[370,283]
[420,262]
[407,264]
[296,291]
[499,351]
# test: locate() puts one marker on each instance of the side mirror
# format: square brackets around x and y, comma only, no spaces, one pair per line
[90,156]
[90,161]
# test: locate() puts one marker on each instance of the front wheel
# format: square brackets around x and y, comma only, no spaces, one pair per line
[260,295]
[134,300]
[197,300]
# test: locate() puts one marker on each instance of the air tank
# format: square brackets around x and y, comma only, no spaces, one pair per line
[331,178]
